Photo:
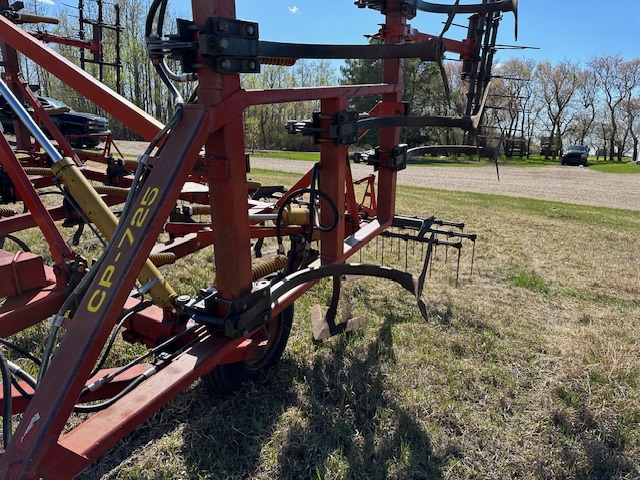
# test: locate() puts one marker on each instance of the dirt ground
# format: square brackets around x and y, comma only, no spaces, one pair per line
[577,185]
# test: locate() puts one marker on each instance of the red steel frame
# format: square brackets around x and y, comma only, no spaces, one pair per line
[37,449]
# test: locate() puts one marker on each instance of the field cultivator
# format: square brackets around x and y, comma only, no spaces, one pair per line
[189,192]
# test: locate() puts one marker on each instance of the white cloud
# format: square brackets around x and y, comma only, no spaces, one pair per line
[293,10]
[47,2]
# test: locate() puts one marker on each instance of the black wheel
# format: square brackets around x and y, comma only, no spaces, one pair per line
[76,142]
[228,378]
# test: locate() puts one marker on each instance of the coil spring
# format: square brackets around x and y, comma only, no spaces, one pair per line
[267,265]
[7,212]
[283,62]
[200,209]
[159,259]
[45,172]
[109,190]
[264,266]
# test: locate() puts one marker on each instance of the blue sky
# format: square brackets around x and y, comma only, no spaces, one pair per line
[573,29]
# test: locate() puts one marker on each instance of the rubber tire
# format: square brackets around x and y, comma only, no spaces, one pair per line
[227,379]
[75,142]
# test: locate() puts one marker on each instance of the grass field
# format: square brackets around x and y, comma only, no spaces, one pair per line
[528,369]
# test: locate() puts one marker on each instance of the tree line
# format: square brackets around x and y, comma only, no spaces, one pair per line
[540,106]
[597,104]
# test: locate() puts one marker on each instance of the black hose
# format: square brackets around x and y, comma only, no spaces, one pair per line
[123,318]
[21,390]
[6,401]
[160,65]
[153,8]
[20,350]
[313,191]
[139,379]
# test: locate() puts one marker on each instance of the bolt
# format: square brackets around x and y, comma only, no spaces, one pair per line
[265,318]
[223,26]
[183,300]
[251,65]
[223,44]
[226,64]
[250,30]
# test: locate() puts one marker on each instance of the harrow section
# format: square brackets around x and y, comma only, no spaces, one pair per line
[190,192]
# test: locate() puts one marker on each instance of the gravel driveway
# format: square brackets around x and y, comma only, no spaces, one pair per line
[564,184]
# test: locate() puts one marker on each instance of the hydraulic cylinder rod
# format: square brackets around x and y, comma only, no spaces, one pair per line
[28,121]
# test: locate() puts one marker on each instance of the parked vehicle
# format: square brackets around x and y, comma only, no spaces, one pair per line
[576,155]
[68,121]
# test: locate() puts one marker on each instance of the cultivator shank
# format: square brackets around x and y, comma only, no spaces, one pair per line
[190,192]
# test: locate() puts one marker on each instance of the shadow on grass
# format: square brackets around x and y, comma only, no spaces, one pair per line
[330,418]
[352,427]
[594,443]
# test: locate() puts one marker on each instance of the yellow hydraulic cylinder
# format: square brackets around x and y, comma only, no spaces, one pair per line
[294,216]
[98,212]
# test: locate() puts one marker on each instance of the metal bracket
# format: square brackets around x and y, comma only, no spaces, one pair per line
[229,45]
[396,161]
[244,314]
[409,8]
[344,128]
[342,131]
[406,8]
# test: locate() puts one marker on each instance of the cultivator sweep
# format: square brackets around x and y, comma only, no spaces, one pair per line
[188,192]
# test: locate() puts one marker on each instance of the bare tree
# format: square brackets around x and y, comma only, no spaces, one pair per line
[556,88]
[512,97]
[631,113]
[631,83]
[586,107]
[617,81]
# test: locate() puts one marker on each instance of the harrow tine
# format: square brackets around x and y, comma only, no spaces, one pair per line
[473,256]
[406,255]
[458,267]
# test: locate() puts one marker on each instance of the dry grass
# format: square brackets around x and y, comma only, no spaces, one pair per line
[529,369]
